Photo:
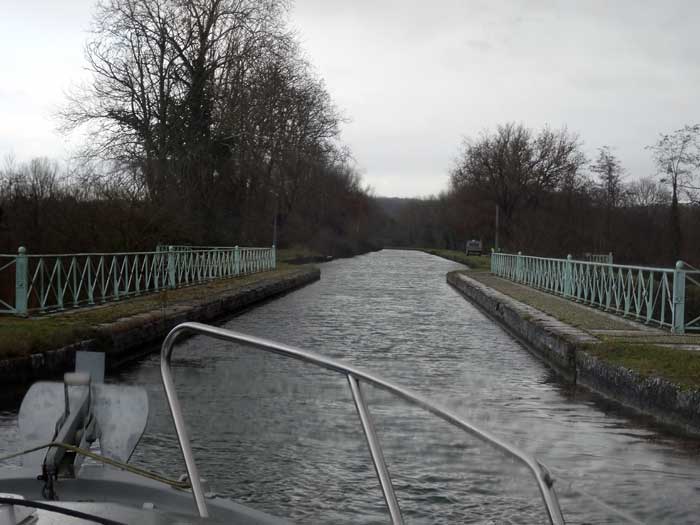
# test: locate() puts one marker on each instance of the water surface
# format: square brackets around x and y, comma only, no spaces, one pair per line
[285,438]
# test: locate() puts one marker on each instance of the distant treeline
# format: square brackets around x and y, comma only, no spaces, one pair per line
[207,126]
[552,201]
[53,208]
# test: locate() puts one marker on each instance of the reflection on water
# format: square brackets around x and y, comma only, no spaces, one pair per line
[285,438]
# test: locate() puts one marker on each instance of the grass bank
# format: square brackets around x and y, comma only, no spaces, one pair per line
[677,365]
[24,336]
[656,353]
[291,255]
[474,262]
[304,255]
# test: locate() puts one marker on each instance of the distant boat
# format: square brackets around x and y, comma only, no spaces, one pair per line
[474,247]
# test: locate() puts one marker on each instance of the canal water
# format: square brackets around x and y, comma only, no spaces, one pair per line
[284,437]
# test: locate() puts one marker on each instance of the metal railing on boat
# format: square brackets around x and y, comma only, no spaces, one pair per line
[355,377]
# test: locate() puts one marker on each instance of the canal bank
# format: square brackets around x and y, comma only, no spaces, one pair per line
[587,347]
[127,330]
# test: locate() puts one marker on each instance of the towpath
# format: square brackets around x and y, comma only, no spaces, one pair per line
[639,365]
[601,325]
[45,346]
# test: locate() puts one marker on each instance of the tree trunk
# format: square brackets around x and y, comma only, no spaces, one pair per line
[676,234]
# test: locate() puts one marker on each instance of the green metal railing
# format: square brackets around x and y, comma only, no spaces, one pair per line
[647,294]
[44,283]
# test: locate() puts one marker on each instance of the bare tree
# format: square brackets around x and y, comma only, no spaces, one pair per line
[646,193]
[210,106]
[513,166]
[677,157]
[609,171]
[163,74]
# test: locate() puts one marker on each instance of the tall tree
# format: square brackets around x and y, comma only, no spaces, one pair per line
[210,105]
[677,157]
[609,171]
[513,166]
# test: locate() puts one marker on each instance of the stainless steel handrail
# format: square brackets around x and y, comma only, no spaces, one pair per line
[354,375]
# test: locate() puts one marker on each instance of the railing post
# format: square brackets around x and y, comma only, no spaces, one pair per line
[90,284]
[171,267]
[519,267]
[273,261]
[237,260]
[74,265]
[375,451]
[493,260]
[568,276]
[116,276]
[21,285]
[678,299]
[137,275]
[103,290]
[60,290]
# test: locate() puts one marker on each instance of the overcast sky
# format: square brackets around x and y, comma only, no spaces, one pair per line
[416,77]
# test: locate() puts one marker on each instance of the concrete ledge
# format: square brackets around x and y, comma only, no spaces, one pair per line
[548,338]
[563,347]
[131,337]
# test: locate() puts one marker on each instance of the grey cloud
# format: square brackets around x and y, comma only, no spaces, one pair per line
[425,74]
[414,77]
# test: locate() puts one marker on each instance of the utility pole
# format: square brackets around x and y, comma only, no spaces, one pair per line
[496,236]
[274,224]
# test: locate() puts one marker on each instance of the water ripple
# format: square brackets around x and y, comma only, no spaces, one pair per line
[284,438]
